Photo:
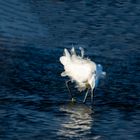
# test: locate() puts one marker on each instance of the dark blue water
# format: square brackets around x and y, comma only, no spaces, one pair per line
[34,102]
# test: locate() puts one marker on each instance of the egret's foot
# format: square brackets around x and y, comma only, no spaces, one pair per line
[92,107]
[73,100]
[84,102]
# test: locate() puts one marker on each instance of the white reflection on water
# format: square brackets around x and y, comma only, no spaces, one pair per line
[78,121]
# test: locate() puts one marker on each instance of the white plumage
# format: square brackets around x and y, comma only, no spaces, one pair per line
[81,70]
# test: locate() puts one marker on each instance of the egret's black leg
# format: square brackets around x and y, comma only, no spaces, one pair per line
[67,85]
[86,96]
[92,96]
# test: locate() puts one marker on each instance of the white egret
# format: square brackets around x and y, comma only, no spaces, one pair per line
[83,71]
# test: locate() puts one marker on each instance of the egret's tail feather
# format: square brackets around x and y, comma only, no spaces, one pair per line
[73,51]
[66,53]
[82,52]
[66,58]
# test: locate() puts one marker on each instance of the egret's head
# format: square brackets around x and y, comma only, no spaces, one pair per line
[99,73]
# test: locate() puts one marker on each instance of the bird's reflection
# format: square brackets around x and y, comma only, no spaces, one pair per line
[77,122]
